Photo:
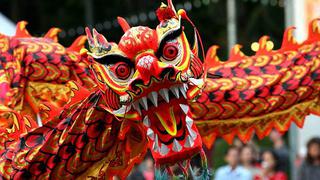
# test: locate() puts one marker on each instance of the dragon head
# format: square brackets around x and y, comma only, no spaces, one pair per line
[149,77]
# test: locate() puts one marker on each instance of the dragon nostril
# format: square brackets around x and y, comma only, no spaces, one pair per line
[169,71]
[134,85]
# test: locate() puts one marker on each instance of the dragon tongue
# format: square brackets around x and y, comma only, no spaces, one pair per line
[167,119]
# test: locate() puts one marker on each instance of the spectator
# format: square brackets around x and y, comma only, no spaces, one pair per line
[270,167]
[248,159]
[310,168]
[134,175]
[232,170]
[280,148]
[148,171]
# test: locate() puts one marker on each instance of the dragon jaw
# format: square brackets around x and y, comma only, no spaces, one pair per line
[170,129]
[164,111]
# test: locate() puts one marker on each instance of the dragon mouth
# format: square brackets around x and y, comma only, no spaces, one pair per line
[172,133]
[164,111]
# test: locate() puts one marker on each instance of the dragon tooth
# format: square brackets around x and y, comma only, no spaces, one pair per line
[184,76]
[185,108]
[164,94]
[124,98]
[192,133]
[185,86]
[153,96]
[175,91]
[176,146]
[146,121]
[39,121]
[183,91]
[197,82]
[150,133]
[189,121]
[189,74]
[189,142]
[144,103]
[122,110]
[137,107]
[156,144]
[164,150]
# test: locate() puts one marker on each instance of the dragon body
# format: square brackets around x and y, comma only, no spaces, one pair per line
[262,92]
[35,71]
[152,92]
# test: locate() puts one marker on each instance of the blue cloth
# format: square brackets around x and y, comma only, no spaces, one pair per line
[226,173]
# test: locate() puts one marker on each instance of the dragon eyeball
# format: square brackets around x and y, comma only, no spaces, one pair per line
[122,70]
[170,52]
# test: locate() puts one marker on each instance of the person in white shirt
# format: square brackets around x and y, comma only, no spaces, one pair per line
[232,171]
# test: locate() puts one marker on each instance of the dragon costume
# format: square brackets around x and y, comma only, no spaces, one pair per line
[35,71]
[154,92]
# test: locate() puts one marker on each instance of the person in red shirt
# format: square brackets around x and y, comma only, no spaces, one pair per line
[270,167]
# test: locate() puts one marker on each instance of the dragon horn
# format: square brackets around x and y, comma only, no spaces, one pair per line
[183,14]
[95,36]
[102,40]
[99,39]
[170,4]
[98,44]
[123,23]
[89,36]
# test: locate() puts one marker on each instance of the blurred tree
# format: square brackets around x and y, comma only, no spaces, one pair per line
[254,19]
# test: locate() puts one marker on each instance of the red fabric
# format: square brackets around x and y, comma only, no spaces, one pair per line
[277,176]
[165,13]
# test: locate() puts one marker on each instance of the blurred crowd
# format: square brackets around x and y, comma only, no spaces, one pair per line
[145,171]
[248,162]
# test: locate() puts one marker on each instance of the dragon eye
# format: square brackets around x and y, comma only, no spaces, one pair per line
[170,52]
[122,70]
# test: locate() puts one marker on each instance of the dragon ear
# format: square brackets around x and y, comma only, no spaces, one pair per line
[98,44]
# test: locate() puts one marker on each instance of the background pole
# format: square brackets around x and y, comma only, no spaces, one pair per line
[232,23]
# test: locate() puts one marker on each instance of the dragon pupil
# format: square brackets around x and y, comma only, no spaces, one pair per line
[122,71]
[170,52]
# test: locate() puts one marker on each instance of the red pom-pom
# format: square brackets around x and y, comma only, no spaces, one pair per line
[165,13]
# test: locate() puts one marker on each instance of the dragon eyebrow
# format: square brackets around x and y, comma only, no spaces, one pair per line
[171,36]
[114,58]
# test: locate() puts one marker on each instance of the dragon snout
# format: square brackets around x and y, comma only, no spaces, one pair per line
[149,66]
